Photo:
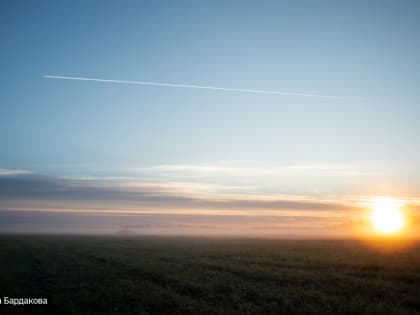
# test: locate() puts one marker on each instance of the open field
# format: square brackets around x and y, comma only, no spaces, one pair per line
[151,275]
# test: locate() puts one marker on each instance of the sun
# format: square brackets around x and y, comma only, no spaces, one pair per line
[387,216]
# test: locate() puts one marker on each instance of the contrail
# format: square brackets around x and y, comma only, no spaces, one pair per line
[177,85]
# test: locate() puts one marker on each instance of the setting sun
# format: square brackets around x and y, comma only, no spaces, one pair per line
[387,216]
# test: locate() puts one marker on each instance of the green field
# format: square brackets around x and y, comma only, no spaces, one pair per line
[152,275]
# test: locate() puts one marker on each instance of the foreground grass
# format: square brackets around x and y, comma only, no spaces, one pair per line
[106,275]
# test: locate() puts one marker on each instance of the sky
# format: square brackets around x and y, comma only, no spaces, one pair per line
[91,156]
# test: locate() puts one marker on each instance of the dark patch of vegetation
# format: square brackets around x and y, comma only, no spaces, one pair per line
[151,275]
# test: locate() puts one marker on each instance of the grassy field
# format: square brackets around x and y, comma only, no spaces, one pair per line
[151,275]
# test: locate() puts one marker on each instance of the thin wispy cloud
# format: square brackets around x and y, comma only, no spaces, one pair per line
[189,86]
[269,170]
[12,172]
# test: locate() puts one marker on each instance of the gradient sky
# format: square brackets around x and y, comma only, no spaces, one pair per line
[74,145]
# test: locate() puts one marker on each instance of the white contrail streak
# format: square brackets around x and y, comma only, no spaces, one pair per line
[214,88]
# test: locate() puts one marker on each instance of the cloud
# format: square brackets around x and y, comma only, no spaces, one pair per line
[35,191]
[190,86]
[12,172]
[245,170]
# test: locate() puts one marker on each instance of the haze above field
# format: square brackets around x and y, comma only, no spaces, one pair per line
[107,157]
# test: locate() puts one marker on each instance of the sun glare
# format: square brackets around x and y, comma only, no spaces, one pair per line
[387,216]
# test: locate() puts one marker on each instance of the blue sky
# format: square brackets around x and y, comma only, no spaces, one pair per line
[364,143]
